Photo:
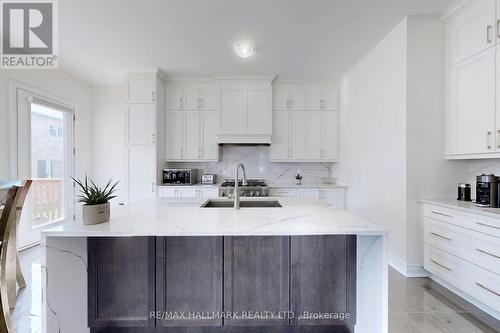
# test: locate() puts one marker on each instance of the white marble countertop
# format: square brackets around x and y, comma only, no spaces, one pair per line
[183,217]
[463,206]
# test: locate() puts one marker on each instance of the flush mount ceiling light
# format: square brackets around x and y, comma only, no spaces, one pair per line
[244,49]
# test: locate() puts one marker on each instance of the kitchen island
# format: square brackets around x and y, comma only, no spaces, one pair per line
[172,266]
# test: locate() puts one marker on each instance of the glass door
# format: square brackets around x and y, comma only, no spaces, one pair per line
[45,154]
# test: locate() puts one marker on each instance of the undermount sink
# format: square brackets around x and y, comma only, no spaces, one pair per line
[243,204]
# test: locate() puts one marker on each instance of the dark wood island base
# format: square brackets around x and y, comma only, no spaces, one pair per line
[132,277]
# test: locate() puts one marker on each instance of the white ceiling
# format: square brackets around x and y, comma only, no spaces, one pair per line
[295,38]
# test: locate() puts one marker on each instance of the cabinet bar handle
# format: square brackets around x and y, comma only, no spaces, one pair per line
[442,214]
[487,225]
[498,28]
[488,139]
[498,138]
[291,104]
[488,33]
[435,262]
[488,253]
[153,187]
[153,96]
[441,236]
[180,103]
[480,285]
[153,138]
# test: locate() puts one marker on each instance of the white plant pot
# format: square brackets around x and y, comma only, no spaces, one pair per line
[95,214]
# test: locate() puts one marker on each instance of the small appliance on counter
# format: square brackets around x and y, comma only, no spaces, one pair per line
[487,191]
[180,176]
[464,192]
[208,179]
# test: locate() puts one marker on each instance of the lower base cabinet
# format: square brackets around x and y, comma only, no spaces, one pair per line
[222,284]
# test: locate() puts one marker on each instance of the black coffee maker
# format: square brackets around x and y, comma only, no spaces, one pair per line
[487,190]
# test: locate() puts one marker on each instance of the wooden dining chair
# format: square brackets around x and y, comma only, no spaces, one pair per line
[14,272]
[7,223]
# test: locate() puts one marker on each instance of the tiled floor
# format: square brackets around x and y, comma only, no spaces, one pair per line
[416,305]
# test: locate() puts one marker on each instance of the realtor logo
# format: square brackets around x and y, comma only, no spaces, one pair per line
[28,30]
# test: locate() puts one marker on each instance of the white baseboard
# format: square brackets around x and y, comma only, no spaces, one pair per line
[406,270]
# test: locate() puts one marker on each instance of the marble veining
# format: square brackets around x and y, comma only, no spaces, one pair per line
[184,217]
[258,165]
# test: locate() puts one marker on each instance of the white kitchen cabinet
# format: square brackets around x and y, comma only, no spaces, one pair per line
[174,135]
[174,97]
[297,135]
[199,96]
[321,97]
[244,110]
[333,196]
[144,116]
[188,192]
[461,247]
[330,135]
[191,136]
[471,31]
[314,131]
[309,193]
[471,110]
[140,89]
[140,124]
[289,97]
[279,147]
[305,136]
[140,171]
[209,146]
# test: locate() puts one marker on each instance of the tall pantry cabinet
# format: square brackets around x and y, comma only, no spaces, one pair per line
[144,133]
[472,80]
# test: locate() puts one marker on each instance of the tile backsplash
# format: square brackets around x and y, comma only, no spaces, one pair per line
[258,165]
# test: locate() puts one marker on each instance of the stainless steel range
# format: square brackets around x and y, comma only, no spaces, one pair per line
[253,188]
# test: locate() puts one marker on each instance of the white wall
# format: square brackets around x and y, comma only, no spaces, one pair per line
[108,134]
[372,130]
[57,83]
[392,134]
[429,174]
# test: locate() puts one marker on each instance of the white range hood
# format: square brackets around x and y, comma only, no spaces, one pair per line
[244,110]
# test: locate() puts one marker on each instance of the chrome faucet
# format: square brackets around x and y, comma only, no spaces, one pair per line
[236,187]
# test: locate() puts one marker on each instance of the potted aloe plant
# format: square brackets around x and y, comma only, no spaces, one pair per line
[95,200]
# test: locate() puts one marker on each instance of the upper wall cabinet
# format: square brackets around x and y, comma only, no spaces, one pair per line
[472,113]
[308,134]
[244,110]
[321,97]
[140,89]
[191,96]
[191,122]
[472,30]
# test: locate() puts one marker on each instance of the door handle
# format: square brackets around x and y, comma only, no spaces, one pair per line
[441,265]
[488,253]
[441,236]
[489,27]
[480,285]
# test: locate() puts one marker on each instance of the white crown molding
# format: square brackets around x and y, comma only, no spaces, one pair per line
[456,8]
[255,78]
